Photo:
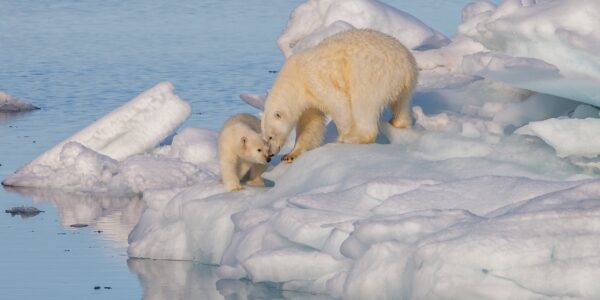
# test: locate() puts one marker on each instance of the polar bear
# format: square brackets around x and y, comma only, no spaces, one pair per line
[350,76]
[242,152]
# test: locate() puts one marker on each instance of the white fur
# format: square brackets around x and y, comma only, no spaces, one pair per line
[351,76]
[242,151]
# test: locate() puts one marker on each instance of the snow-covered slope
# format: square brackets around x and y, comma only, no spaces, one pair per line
[336,222]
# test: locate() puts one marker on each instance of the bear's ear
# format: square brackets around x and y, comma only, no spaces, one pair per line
[277,115]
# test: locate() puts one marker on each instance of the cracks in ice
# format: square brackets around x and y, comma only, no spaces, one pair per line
[515,282]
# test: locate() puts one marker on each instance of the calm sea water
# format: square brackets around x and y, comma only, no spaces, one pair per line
[78,60]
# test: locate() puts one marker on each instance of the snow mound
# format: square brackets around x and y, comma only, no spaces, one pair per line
[545,46]
[10,104]
[549,47]
[315,20]
[569,137]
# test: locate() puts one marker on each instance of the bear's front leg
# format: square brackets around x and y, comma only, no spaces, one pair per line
[309,133]
[229,174]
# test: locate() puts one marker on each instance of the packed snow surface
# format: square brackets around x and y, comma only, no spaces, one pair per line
[492,194]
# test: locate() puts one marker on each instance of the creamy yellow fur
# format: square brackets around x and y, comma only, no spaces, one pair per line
[242,151]
[351,76]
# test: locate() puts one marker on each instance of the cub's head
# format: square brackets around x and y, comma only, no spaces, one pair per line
[276,127]
[254,149]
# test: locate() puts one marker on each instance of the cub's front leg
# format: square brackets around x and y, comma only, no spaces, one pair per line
[229,173]
[255,178]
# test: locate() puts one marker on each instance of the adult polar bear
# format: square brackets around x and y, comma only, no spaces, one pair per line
[350,76]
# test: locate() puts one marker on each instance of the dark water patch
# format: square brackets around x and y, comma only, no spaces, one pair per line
[78,225]
[23,211]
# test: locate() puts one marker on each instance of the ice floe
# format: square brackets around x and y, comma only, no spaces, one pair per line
[11,104]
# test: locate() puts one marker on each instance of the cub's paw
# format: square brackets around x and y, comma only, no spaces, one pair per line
[257,182]
[233,187]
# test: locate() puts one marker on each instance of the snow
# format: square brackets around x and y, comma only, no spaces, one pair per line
[569,137]
[11,104]
[323,228]
[544,46]
[315,20]
[493,193]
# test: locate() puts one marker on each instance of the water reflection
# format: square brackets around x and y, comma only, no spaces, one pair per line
[163,279]
[113,216]
[5,117]
[168,279]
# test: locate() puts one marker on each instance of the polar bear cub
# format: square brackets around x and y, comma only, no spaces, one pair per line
[350,76]
[242,152]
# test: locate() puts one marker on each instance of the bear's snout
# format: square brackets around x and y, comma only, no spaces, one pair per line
[271,152]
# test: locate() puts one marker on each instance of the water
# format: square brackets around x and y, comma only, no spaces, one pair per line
[78,60]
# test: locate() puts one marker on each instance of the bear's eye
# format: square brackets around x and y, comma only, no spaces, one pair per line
[259,150]
[270,138]
[277,115]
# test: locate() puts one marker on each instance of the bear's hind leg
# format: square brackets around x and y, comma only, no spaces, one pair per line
[309,133]
[366,123]
[341,114]
[401,110]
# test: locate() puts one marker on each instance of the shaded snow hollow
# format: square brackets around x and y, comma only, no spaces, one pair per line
[493,194]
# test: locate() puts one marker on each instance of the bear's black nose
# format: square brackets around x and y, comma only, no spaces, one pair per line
[271,155]
[269,158]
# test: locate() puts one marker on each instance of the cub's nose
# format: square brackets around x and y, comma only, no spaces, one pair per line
[269,158]
[271,155]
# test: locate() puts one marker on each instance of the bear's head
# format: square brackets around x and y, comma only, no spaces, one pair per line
[276,127]
[254,149]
